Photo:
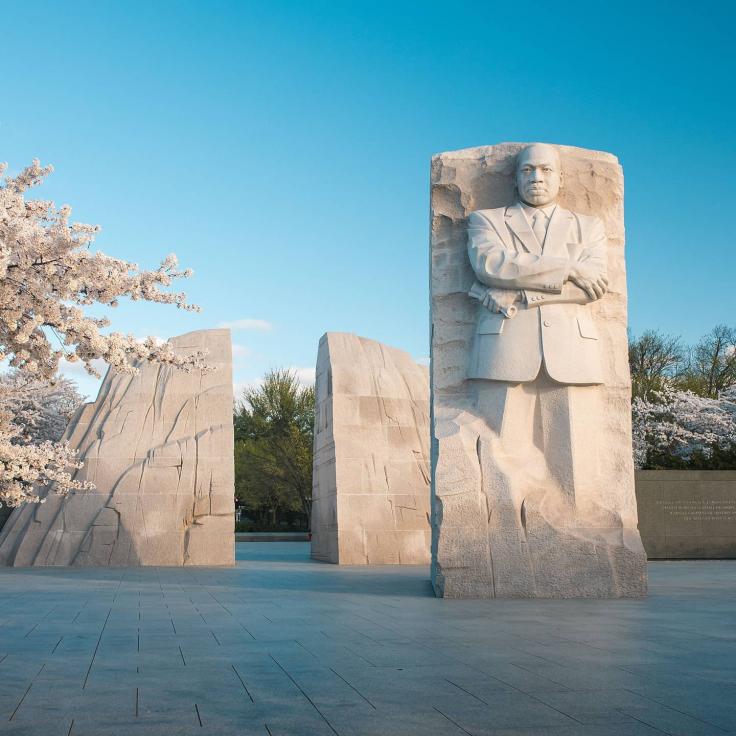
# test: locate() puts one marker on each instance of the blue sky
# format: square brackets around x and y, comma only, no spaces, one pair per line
[282,149]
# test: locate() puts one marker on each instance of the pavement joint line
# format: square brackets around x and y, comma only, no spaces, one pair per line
[502,681]
[242,682]
[199,717]
[354,688]
[472,695]
[71,726]
[28,689]
[57,644]
[672,707]
[374,623]
[454,723]
[97,646]
[561,712]
[536,674]
[120,582]
[538,656]
[360,656]
[38,623]
[646,723]
[311,702]
[361,633]
[305,649]
[247,631]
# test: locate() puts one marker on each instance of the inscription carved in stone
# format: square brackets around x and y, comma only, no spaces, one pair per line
[687,514]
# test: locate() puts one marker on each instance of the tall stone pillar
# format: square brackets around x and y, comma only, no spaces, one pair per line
[532,472]
[370,499]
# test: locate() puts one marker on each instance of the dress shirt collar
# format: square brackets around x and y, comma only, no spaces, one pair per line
[531,211]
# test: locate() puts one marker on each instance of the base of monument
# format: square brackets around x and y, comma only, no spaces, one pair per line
[556,565]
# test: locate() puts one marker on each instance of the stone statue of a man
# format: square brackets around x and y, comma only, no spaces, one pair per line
[537,266]
[532,475]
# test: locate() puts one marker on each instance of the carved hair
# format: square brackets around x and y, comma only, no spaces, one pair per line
[540,145]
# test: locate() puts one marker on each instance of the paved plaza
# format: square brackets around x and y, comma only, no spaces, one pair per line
[286,646]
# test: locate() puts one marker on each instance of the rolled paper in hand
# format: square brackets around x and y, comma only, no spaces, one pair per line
[486,297]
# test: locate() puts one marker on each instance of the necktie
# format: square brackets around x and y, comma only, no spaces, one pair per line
[539,226]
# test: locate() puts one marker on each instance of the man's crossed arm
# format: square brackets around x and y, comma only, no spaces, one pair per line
[507,277]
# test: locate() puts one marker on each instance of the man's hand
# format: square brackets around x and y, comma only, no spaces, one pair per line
[500,301]
[589,279]
[503,301]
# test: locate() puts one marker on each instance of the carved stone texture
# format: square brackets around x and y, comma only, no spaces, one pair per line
[370,499]
[533,480]
[159,448]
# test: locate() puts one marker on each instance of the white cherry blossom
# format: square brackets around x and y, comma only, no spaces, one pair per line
[48,276]
[681,424]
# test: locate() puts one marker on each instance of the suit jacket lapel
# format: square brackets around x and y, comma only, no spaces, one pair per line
[518,224]
[555,244]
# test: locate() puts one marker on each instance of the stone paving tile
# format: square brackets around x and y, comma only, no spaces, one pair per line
[597,706]
[700,699]
[616,729]
[283,646]
[671,721]
[504,710]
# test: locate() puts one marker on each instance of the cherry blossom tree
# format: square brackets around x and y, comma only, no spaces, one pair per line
[40,409]
[675,428]
[33,416]
[48,276]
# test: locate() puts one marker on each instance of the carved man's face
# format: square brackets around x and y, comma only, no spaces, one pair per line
[538,175]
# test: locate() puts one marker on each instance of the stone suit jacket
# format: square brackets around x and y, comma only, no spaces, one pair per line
[553,327]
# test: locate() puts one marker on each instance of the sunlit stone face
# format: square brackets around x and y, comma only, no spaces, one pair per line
[538,175]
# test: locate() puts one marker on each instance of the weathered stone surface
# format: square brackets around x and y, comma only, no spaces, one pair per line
[371,448]
[159,448]
[687,514]
[533,480]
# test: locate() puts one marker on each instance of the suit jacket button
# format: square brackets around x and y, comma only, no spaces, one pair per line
[547,323]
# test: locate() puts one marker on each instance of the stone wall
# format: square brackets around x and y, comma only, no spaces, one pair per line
[371,448]
[687,514]
[159,448]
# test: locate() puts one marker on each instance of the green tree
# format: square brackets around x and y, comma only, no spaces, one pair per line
[274,429]
[711,367]
[654,360]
